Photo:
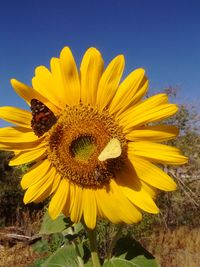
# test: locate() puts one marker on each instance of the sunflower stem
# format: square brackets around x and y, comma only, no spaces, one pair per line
[114,241]
[93,246]
[75,245]
[79,258]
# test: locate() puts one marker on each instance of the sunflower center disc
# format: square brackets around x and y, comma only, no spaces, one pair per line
[75,142]
[83,147]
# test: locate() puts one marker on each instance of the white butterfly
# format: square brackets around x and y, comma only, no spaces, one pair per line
[112,150]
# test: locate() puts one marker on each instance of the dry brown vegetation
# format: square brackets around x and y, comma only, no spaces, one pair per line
[15,246]
[19,255]
[179,247]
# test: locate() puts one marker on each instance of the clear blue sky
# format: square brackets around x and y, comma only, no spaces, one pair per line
[161,36]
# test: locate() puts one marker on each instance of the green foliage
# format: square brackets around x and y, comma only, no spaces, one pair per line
[65,257]
[144,228]
[127,252]
[50,226]
[70,248]
[10,192]
[106,231]
[58,236]
[49,243]
[139,261]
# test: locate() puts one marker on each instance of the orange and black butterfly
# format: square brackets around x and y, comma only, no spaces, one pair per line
[43,118]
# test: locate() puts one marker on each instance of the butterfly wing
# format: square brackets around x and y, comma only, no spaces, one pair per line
[42,117]
[112,150]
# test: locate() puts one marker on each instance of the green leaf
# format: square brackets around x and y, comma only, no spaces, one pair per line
[129,252]
[89,264]
[50,226]
[139,261]
[72,233]
[78,227]
[41,246]
[142,261]
[74,229]
[64,257]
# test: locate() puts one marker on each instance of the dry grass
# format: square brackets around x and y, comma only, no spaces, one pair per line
[14,252]
[19,255]
[175,248]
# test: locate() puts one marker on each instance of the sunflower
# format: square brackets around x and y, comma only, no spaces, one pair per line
[93,142]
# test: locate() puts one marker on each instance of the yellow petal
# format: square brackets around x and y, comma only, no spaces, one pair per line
[66,208]
[71,77]
[129,183]
[76,209]
[152,191]
[156,152]
[18,139]
[17,134]
[145,105]
[22,146]
[59,81]
[28,93]
[152,115]
[59,199]
[109,82]
[16,116]
[56,183]
[151,110]
[27,156]
[89,208]
[91,71]
[151,174]
[115,206]
[156,133]
[41,189]
[130,91]
[106,206]
[45,84]
[36,173]
[47,192]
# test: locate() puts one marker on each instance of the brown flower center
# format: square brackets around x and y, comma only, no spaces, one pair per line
[77,139]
